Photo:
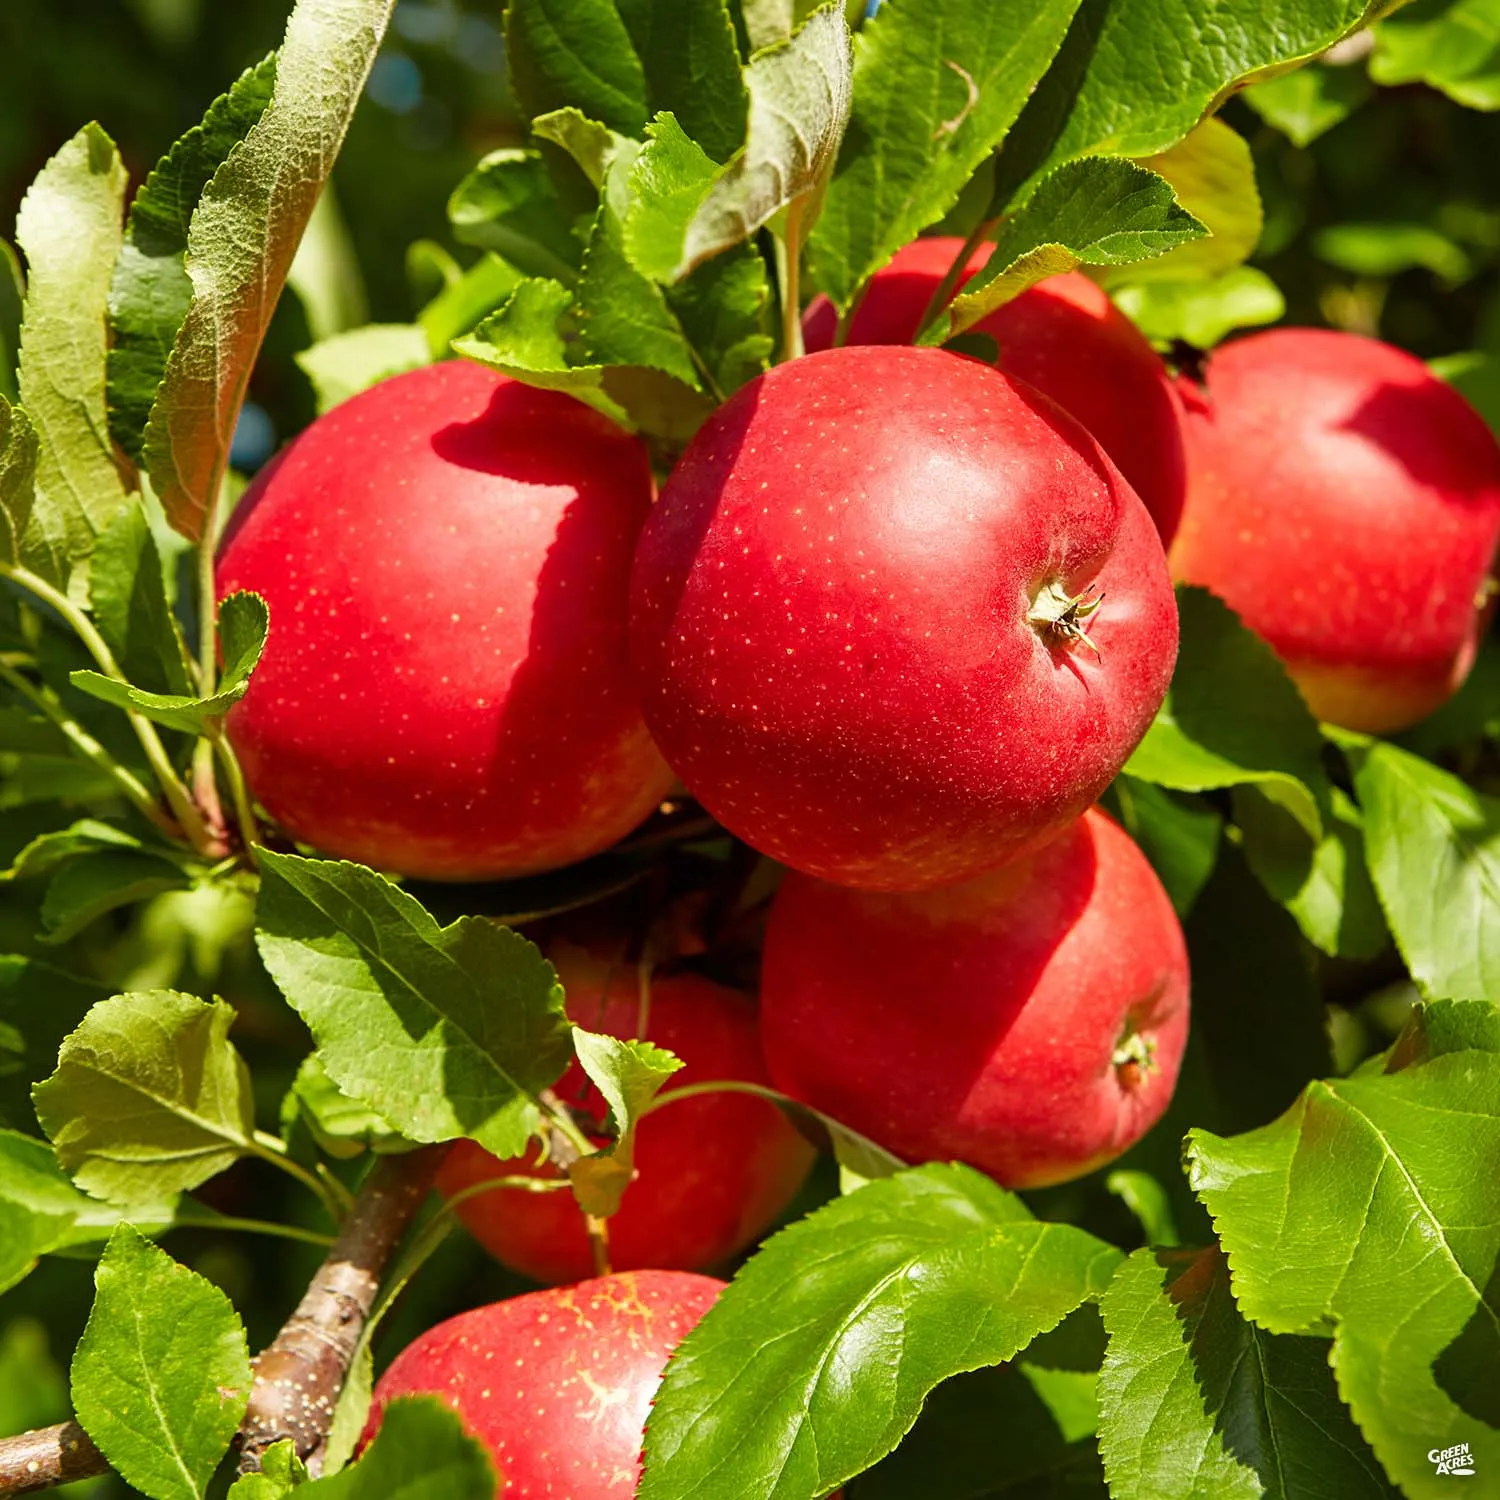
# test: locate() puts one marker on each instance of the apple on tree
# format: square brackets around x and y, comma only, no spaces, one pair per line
[712,1172]
[445,690]
[1030,1023]
[897,618]
[557,1384]
[1346,502]
[1065,337]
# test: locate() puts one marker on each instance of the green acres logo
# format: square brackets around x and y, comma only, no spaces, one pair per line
[1454,1460]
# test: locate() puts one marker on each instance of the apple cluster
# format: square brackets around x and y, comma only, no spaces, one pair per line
[896,619]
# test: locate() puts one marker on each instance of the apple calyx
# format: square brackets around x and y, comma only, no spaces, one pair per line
[1134,1058]
[1062,618]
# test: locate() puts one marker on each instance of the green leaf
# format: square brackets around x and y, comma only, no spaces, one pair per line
[1360,1212]
[243,236]
[938,1268]
[1309,101]
[770,21]
[69,229]
[1097,212]
[38,1205]
[343,1127]
[577,53]
[1433,845]
[1323,883]
[18,460]
[129,596]
[686,208]
[1179,834]
[1196,1402]
[150,290]
[1201,313]
[1442,1026]
[1108,90]
[937,84]
[348,363]
[325,276]
[39,1006]
[525,340]
[692,67]
[1213,176]
[149,1097]
[1147,1200]
[1450,46]
[622,317]
[12,297]
[629,1075]
[92,884]
[463,303]
[589,143]
[1232,717]
[281,1472]
[1383,248]
[50,851]
[509,206]
[161,1376]
[421,1452]
[1257,1012]
[243,623]
[445,1031]
[724,308]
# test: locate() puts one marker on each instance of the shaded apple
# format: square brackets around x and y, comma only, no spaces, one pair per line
[1030,1023]
[445,690]
[1065,337]
[712,1172]
[1346,502]
[897,618]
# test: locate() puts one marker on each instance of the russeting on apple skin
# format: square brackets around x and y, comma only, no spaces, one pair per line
[897,619]
[1030,1023]
[1066,338]
[712,1172]
[1346,502]
[445,690]
[557,1384]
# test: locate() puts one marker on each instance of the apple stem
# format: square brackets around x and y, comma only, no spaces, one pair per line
[599,1243]
[789,275]
[943,291]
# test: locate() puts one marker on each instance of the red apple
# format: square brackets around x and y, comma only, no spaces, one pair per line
[557,1384]
[713,1173]
[1030,1023]
[1346,503]
[863,617]
[1067,339]
[445,690]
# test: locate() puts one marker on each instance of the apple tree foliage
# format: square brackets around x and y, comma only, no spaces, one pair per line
[1289,1289]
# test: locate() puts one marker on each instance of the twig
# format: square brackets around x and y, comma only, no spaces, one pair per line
[299,1375]
[47,1457]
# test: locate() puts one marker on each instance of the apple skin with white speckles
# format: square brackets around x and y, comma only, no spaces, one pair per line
[1066,338]
[557,1384]
[1346,503]
[832,617]
[983,1022]
[445,690]
[712,1173]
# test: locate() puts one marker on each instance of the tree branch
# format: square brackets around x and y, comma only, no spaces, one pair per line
[51,1455]
[299,1375]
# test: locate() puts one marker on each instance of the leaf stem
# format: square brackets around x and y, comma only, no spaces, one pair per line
[944,289]
[205,1218]
[189,819]
[272,1148]
[133,788]
[244,810]
[789,276]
